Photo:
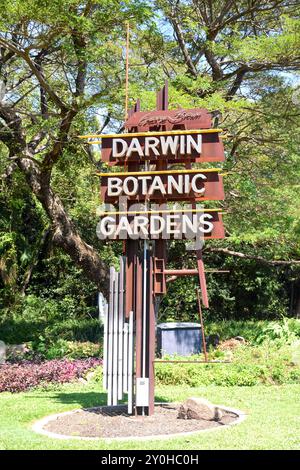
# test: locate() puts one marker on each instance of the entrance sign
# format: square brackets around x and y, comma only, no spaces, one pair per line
[157,146]
[174,146]
[176,185]
[142,214]
[162,225]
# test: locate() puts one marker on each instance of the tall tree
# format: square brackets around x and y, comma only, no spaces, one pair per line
[58,60]
[228,41]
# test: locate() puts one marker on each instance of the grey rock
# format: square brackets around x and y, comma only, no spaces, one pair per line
[199,408]
[240,338]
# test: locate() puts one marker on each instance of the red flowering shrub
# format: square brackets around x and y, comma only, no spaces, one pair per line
[27,374]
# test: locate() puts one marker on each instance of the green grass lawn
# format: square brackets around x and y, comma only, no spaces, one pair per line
[273,420]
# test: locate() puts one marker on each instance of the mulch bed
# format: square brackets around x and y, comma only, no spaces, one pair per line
[108,422]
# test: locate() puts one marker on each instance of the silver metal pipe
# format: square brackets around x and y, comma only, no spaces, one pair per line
[125,357]
[115,341]
[105,347]
[120,330]
[110,336]
[130,364]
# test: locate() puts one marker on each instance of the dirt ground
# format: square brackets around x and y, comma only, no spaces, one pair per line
[107,422]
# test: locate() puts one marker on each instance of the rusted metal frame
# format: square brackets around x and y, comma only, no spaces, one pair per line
[148,326]
[200,264]
[135,109]
[159,276]
[202,326]
[162,98]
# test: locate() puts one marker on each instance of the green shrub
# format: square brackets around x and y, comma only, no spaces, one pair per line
[195,375]
[68,349]
[98,375]
[269,363]
[276,331]
[255,331]
[230,328]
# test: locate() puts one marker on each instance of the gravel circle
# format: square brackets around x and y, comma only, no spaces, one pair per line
[111,422]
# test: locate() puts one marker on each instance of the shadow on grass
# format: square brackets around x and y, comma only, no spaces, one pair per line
[87,399]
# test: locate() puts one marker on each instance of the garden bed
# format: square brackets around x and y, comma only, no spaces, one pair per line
[114,422]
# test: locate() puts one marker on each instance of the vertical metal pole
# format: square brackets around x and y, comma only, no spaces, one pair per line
[115,341]
[105,348]
[127,70]
[125,357]
[130,365]
[120,329]
[110,337]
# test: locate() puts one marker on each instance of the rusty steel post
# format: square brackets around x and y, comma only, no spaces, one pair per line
[202,278]
[202,326]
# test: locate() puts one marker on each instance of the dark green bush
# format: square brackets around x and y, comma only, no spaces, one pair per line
[17,331]
[88,329]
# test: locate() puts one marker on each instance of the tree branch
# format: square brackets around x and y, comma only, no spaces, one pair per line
[260,259]
[25,56]
[240,75]
[79,47]
[59,144]
[178,32]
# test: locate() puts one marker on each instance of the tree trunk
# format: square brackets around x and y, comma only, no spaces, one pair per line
[65,234]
